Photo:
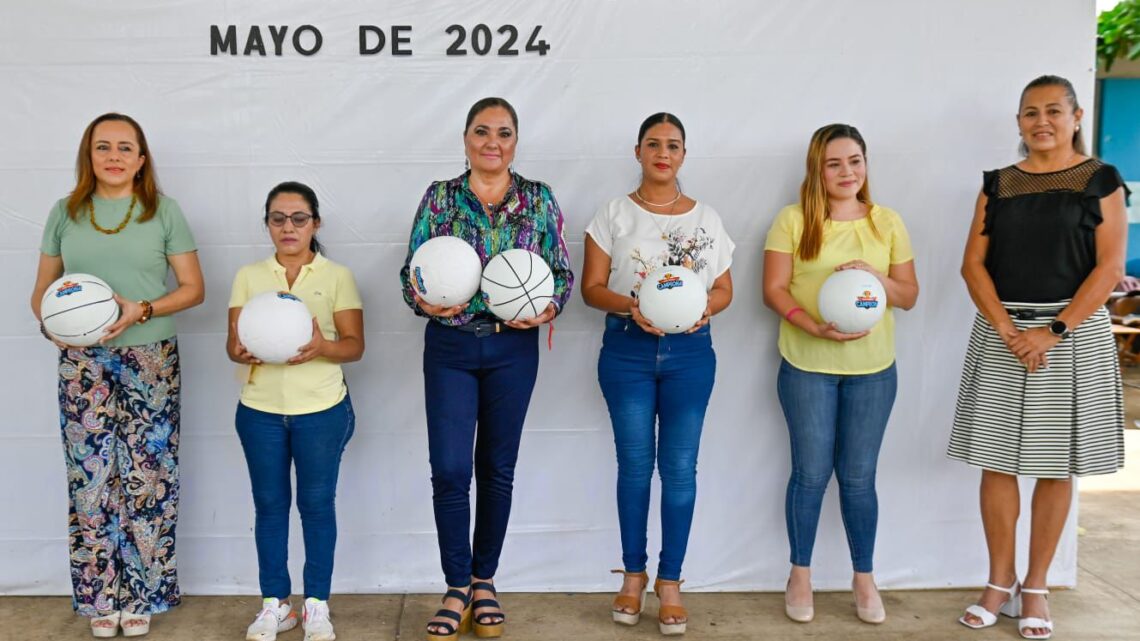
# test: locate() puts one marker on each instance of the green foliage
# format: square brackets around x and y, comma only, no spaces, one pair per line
[1118,33]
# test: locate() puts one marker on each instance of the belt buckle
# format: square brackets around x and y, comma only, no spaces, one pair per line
[1026,314]
[484,329]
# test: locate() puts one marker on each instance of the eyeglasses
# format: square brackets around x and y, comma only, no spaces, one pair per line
[277,219]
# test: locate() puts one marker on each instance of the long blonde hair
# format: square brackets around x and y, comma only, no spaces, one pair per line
[813,191]
[145,184]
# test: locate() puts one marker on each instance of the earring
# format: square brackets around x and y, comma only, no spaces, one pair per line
[1078,127]
[466,165]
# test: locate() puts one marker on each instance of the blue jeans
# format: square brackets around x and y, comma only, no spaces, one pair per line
[657,390]
[835,424]
[314,444]
[470,381]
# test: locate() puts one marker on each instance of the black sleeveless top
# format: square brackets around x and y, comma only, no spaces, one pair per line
[1042,228]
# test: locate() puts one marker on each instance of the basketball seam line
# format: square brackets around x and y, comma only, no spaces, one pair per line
[84,333]
[522,284]
[71,309]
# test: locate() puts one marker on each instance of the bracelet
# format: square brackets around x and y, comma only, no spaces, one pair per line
[148,310]
[792,312]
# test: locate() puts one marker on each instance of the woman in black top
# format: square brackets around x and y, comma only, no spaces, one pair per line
[1041,394]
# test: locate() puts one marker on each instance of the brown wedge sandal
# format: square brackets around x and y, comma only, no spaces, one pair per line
[676,612]
[627,609]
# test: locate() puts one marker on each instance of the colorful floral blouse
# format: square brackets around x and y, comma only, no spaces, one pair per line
[528,218]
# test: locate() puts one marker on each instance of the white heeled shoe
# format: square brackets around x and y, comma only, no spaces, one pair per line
[1010,608]
[135,625]
[1035,622]
[106,626]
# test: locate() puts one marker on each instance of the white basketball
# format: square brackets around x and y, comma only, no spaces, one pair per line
[273,326]
[517,285]
[77,308]
[853,299]
[445,271]
[673,298]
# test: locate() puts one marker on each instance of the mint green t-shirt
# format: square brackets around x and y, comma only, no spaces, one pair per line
[133,261]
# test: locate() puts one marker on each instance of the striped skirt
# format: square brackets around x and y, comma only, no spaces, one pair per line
[1065,419]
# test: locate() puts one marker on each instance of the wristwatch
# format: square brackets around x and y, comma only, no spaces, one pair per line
[1059,329]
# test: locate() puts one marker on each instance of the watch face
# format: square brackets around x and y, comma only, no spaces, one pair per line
[1059,328]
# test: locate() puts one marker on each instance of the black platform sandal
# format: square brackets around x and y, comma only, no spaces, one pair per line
[488,625]
[451,632]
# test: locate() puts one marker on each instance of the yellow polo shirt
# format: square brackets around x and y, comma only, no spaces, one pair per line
[326,288]
[843,241]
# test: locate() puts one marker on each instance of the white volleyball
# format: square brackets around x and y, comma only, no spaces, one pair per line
[77,308]
[673,298]
[853,299]
[517,285]
[445,271]
[273,326]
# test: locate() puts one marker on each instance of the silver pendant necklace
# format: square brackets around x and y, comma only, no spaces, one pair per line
[672,205]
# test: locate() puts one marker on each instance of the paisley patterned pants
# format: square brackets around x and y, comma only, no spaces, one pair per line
[119,412]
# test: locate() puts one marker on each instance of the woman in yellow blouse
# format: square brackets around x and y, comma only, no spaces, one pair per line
[836,389]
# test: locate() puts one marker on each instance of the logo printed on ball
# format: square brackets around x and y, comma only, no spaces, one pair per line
[867,300]
[68,287]
[669,281]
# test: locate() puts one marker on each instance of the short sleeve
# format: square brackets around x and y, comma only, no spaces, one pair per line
[724,252]
[239,292]
[901,250]
[781,235]
[347,296]
[601,230]
[53,228]
[1105,181]
[177,235]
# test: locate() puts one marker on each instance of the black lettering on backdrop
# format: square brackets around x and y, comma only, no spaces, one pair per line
[227,44]
[254,41]
[398,39]
[278,36]
[366,29]
[372,39]
[318,40]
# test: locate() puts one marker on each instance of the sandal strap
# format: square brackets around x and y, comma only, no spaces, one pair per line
[987,618]
[453,593]
[1035,590]
[675,612]
[624,602]
[1011,590]
[483,585]
[498,618]
[485,603]
[1034,622]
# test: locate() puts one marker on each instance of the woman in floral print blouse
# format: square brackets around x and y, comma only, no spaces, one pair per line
[478,369]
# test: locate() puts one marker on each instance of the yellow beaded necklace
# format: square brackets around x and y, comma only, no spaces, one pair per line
[91,215]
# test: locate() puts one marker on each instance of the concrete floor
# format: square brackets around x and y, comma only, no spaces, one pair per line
[1106,606]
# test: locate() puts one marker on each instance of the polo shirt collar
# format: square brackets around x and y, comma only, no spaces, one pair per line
[319,261]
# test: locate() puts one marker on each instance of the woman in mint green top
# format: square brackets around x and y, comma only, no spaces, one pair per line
[119,400]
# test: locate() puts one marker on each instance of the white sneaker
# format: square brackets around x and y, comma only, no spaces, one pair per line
[317,624]
[274,617]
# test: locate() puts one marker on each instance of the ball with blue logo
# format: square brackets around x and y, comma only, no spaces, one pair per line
[853,299]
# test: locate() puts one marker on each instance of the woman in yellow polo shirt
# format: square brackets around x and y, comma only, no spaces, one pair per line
[299,412]
[836,389]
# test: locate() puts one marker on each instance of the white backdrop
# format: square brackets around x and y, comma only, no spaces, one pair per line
[933,87]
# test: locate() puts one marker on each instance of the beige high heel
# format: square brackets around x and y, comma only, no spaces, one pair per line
[676,612]
[624,602]
[798,613]
[874,614]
